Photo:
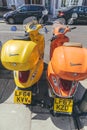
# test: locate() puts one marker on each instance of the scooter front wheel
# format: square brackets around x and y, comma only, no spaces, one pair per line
[11,21]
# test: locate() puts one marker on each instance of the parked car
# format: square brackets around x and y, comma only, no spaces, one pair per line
[80,12]
[24,11]
[3,10]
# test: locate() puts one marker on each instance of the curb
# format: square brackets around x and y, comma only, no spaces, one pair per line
[1,21]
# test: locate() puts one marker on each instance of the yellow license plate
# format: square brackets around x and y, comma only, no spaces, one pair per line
[63,105]
[22,97]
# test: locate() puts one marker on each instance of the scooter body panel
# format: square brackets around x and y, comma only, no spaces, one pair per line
[19,55]
[70,63]
[58,42]
[36,36]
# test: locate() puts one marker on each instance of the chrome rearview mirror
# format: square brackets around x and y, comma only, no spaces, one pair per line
[45,12]
[74,15]
[70,21]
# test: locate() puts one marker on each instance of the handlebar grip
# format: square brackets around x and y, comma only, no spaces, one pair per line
[72,28]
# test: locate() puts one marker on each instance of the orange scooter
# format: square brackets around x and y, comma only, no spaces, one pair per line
[67,66]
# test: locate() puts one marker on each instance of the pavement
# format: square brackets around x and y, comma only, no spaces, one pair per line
[1,20]
[14,117]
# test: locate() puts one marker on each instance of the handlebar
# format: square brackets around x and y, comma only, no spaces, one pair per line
[61,30]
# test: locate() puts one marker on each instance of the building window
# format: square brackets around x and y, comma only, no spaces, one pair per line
[63,3]
[56,4]
[36,1]
[84,2]
[4,2]
[74,2]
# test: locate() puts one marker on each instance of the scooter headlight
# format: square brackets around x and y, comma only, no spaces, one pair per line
[45,12]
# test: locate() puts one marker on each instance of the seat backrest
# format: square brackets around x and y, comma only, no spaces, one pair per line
[72,44]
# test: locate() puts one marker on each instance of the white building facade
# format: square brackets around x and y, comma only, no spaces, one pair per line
[17,3]
[56,4]
[51,5]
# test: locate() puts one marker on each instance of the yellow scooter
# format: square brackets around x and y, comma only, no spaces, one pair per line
[24,56]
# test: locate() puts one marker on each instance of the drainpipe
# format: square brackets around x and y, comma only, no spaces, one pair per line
[54,8]
[30,1]
[43,2]
[59,4]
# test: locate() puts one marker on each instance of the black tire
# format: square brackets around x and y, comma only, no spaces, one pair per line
[69,22]
[11,20]
[74,15]
[61,20]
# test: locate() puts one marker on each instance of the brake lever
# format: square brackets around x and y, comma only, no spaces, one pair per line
[73,28]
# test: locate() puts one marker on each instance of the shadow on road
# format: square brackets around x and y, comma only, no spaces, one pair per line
[7,85]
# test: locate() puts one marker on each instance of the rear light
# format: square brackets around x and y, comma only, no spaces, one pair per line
[23,76]
[61,14]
